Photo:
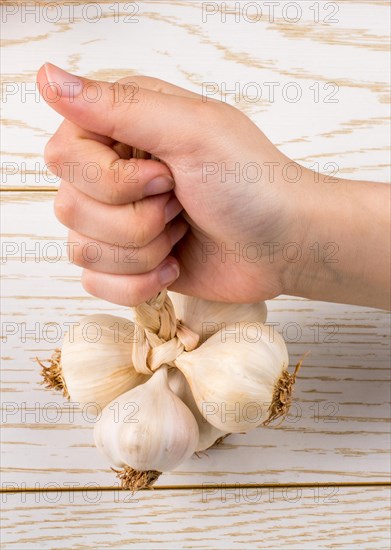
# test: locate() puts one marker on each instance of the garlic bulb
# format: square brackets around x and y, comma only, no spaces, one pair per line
[208,434]
[96,359]
[147,428]
[234,374]
[206,318]
[185,373]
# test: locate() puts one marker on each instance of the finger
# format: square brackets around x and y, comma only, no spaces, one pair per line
[90,163]
[143,118]
[131,290]
[139,222]
[130,259]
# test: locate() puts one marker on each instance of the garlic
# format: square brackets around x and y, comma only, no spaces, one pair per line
[206,318]
[95,364]
[234,376]
[146,431]
[208,434]
[163,398]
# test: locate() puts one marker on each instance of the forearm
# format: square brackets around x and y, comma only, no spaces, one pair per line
[348,233]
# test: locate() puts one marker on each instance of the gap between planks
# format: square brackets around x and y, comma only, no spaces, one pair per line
[191,487]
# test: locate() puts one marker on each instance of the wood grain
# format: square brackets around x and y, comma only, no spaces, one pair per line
[338,426]
[351,54]
[338,430]
[324,517]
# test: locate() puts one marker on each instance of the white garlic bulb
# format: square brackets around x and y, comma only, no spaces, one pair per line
[234,373]
[147,428]
[96,359]
[208,434]
[206,318]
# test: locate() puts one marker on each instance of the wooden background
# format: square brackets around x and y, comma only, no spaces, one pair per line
[319,480]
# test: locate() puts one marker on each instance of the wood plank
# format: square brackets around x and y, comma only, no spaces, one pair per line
[197,49]
[323,517]
[338,429]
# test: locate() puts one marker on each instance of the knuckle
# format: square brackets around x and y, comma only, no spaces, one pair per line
[133,295]
[220,113]
[150,263]
[120,100]
[64,209]
[156,254]
[215,113]
[77,256]
[53,151]
[114,194]
[88,282]
[131,79]
[138,233]
[138,225]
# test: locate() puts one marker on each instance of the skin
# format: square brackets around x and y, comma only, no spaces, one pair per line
[181,236]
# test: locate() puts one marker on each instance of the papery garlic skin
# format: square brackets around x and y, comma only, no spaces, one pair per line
[206,317]
[233,374]
[98,371]
[208,434]
[147,428]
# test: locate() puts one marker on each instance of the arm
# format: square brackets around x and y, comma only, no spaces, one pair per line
[350,221]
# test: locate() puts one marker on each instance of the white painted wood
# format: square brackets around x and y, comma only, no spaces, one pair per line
[170,40]
[347,378]
[338,428]
[237,518]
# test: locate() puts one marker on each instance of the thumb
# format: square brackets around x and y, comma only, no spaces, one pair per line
[146,119]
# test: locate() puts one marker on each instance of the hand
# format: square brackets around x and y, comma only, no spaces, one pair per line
[214,154]
[243,223]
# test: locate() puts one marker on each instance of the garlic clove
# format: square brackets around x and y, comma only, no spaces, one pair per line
[206,317]
[208,434]
[234,373]
[147,428]
[96,359]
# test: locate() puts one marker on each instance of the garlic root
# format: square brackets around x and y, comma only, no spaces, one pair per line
[52,375]
[218,441]
[282,396]
[132,480]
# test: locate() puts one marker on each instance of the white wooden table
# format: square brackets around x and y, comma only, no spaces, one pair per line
[319,480]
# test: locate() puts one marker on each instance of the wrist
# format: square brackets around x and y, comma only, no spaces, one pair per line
[345,235]
[301,250]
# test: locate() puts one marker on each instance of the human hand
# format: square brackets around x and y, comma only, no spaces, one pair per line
[214,154]
[224,232]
